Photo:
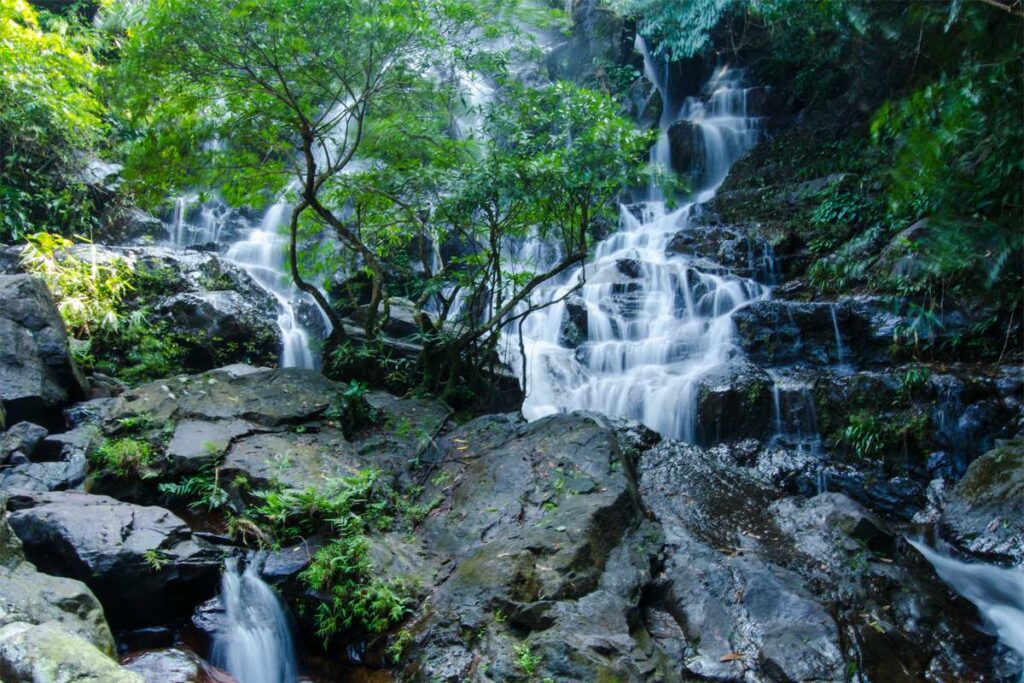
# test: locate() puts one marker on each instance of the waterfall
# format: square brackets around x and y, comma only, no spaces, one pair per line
[256,643]
[655,323]
[998,593]
[261,252]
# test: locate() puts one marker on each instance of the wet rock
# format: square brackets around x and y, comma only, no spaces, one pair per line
[688,154]
[128,554]
[548,542]
[733,402]
[740,253]
[984,513]
[174,665]
[196,444]
[289,459]
[574,331]
[37,373]
[264,397]
[222,319]
[739,614]
[29,654]
[20,438]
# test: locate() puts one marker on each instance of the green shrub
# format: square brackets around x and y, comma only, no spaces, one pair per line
[358,600]
[124,456]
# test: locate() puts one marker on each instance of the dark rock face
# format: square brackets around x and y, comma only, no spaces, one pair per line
[37,373]
[221,318]
[733,402]
[128,554]
[984,513]
[20,440]
[546,543]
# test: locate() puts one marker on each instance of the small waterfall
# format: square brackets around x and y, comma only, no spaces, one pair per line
[998,593]
[656,323]
[261,252]
[840,349]
[256,644]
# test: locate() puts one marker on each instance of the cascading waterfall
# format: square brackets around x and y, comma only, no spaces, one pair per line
[255,645]
[261,252]
[656,323]
[998,593]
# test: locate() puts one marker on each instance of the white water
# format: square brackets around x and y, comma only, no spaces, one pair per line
[256,644]
[261,252]
[998,593]
[656,322]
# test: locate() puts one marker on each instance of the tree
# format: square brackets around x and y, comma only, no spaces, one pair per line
[49,118]
[261,97]
[555,159]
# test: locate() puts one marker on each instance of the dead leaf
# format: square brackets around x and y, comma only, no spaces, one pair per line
[731,657]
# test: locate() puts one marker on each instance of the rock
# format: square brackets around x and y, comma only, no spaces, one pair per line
[739,615]
[264,397]
[59,462]
[401,321]
[734,401]
[29,596]
[984,513]
[687,148]
[20,438]
[128,554]
[292,460]
[200,443]
[30,654]
[174,665]
[37,373]
[538,521]
[218,319]
[88,412]
[574,330]
[45,476]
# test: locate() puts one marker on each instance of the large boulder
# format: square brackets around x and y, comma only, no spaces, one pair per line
[37,372]
[47,653]
[540,531]
[984,513]
[221,320]
[29,596]
[129,555]
[264,397]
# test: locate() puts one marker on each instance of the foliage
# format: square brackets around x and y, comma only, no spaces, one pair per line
[869,435]
[89,291]
[124,457]
[958,162]
[201,490]
[49,118]
[526,659]
[678,29]
[359,600]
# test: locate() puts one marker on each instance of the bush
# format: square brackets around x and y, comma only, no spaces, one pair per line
[49,118]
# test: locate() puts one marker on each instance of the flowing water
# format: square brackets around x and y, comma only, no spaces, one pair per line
[255,645]
[655,322]
[998,593]
[260,251]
